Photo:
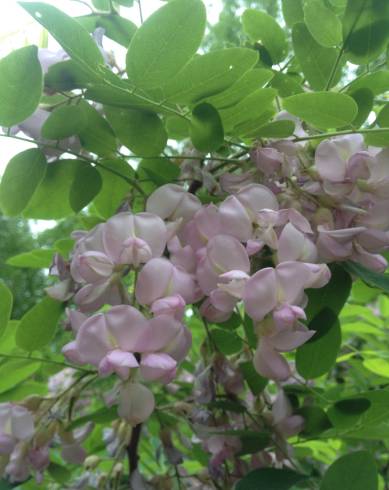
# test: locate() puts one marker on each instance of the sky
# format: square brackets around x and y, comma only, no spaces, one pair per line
[18,29]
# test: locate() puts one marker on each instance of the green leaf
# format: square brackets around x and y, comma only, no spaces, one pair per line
[22,391]
[365,29]
[63,122]
[21,84]
[287,84]
[161,171]
[333,295]
[59,473]
[6,302]
[227,342]
[377,366]
[36,259]
[115,27]
[353,405]
[316,61]
[210,74]
[322,23]
[276,129]
[97,136]
[66,75]
[292,11]
[247,84]
[354,471]
[103,5]
[252,442]
[51,199]
[85,187]
[371,278]
[317,356]
[37,326]
[249,108]
[383,117]
[114,188]
[256,382]
[15,371]
[261,27]
[24,172]
[364,99]
[165,42]
[270,479]
[103,415]
[316,421]
[323,109]
[206,128]
[74,39]
[377,82]
[142,132]
[177,127]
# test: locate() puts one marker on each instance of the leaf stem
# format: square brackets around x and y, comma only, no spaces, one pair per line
[47,361]
[341,133]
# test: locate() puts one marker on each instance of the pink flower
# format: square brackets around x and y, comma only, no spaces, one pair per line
[16,424]
[160,278]
[125,239]
[270,288]
[284,421]
[222,254]
[173,202]
[267,160]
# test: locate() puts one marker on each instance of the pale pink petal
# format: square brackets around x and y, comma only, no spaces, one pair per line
[292,278]
[170,305]
[158,366]
[270,364]
[125,325]
[136,403]
[256,197]
[234,219]
[172,201]
[160,332]
[94,340]
[117,361]
[290,339]
[260,293]
[222,301]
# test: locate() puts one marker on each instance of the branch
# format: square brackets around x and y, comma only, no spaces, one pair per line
[47,361]
[132,449]
[341,133]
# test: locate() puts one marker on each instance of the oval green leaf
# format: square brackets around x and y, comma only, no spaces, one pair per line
[270,479]
[261,27]
[6,302]
[355,471]
[206,128]
[85,187]
[209,74]
[24,172]
[141,131]
[324,110]
[63,122]
[165,42]
[74,39]
[323,23]
[317,356]
[316,61]
[37,327]
[21,84]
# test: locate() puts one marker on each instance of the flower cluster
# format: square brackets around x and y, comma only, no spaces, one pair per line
[26,436]
[267,237]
